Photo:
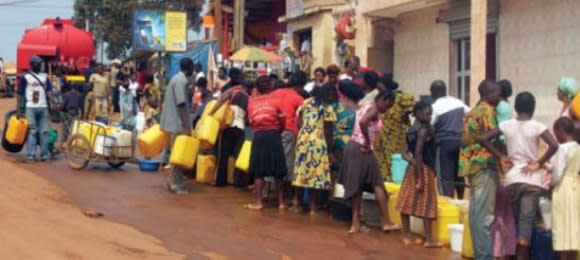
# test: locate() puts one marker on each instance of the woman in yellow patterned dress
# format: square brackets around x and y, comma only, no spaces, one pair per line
[392,138]
[314,141]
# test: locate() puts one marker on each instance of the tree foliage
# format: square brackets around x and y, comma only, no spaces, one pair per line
[111,20]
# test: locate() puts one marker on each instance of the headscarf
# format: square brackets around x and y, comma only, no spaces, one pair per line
[569,87]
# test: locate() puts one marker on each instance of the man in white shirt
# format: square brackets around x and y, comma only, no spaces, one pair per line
[34,92]
[197,70]
[447,121]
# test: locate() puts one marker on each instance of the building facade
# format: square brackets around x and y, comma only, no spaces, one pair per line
[313,21]
[533,43]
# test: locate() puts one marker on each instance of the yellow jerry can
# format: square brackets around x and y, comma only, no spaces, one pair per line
[16,130]
[229,117]
[447,213]
[394,214]
[231,170]
[243,160]
[467,247]
[205,170]
[219,115]
[184,152]
[207,132]
[153,141]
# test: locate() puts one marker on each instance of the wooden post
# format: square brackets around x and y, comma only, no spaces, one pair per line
[236,24]
[239,13]
[478,47]
[218,32]
[226,48]
[242,23]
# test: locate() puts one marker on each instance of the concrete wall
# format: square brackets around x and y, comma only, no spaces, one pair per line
[421,50]
[320,3]
[322,25]
[539,43]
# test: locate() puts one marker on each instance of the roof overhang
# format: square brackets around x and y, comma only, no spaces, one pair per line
[395,10]
[307,12]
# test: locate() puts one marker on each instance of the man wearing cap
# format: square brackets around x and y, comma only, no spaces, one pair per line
[34,91]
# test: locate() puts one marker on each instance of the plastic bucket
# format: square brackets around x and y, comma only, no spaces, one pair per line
[456,232]
[338,191]
[398,168]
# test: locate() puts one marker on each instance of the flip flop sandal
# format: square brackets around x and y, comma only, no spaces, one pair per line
[254,207]
[390,228]
[432,245]
[419,241]
[361,229]
[408,241]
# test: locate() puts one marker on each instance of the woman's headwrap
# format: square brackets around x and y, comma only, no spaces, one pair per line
[569,87]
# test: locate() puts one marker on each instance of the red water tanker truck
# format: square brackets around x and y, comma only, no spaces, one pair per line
[58,42]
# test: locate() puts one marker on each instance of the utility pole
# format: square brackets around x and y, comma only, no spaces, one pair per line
[218,31]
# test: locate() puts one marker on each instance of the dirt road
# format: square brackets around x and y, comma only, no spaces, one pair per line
[209,223]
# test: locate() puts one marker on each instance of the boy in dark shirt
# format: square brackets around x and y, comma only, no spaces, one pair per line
[72,109]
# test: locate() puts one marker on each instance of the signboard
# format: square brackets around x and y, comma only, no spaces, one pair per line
[156,30]
[294,8]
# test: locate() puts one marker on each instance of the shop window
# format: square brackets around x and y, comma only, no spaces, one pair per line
[462,69]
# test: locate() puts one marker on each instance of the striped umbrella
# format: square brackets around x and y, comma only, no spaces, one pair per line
[255,54]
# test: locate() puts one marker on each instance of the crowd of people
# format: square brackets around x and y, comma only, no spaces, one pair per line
[345,128]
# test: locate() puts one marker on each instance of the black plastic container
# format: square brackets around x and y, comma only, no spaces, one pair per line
[340,209]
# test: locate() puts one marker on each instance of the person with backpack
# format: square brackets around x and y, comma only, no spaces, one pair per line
[34,93]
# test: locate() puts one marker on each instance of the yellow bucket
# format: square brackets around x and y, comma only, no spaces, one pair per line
[207,132]
[184,152]
[153,141]
[205,170]
[16,130]
[243,160]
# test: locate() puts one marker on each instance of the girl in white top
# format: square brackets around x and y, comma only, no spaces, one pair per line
[522,167]
[566,192]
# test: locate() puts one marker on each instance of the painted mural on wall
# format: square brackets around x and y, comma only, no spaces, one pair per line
[345,30]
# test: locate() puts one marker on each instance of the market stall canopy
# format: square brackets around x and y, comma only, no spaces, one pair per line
[255,55]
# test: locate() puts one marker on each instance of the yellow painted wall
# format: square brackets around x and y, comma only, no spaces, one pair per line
[322,25]
[421,51]
[539,42]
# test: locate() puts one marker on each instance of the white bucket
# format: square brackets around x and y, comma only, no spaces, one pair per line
[456,233]
[338,191]
[103,145]
[546,212]
[416,225]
